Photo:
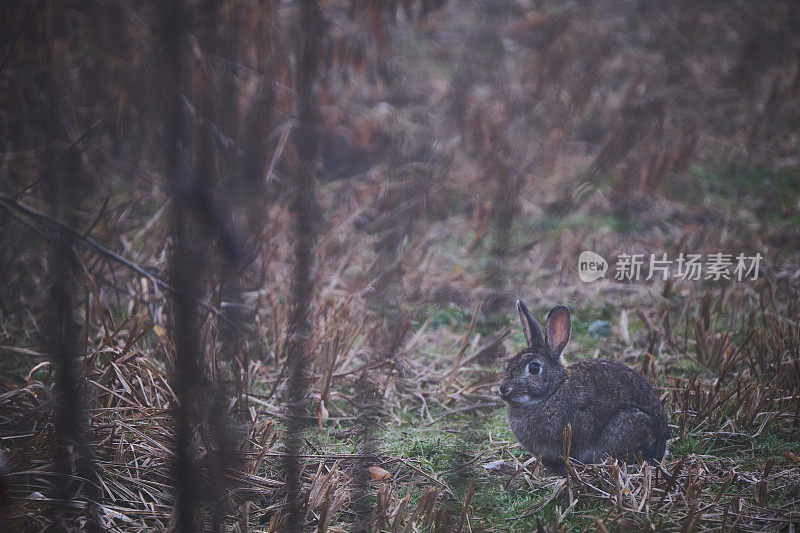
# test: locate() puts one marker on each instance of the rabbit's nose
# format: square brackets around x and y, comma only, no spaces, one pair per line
[504,390]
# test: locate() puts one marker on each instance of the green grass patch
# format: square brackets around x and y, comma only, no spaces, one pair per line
[454,451]
[770,193]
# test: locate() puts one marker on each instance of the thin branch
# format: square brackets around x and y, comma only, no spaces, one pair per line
[92,244]
[16,37]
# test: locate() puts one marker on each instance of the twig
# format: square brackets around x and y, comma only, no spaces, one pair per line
[92,244]
[46,174]
[461,410]
[465,345]
[276,157]
[650,325]
[16,37]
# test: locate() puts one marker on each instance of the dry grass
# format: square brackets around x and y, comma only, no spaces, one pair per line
[733,460]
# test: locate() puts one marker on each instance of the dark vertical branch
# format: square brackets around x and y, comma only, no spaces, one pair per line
[184,271]
[369,399]
[505,205]
[63,344]
[62,335]
[303,209]
[184,263]
[369,408]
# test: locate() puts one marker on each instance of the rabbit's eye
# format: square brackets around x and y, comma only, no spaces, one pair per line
[535,367]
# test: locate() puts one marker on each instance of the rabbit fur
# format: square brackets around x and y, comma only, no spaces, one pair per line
[611,409]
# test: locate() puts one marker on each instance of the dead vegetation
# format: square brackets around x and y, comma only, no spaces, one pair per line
[348,331]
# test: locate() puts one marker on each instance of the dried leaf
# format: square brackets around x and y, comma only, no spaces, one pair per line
[378,474]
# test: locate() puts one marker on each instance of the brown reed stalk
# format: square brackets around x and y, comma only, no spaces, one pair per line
[303,208]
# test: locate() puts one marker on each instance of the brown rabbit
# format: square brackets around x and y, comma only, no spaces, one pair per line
[612,410]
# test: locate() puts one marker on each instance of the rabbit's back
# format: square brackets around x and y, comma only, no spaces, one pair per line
[604,390]
[604,386]
[610,409]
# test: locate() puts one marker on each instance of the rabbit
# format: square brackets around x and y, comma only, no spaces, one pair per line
[611,409]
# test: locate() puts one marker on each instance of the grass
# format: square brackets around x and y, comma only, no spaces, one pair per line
[451,316]
[769,193]
[426,441]
[442,447]
[455,450]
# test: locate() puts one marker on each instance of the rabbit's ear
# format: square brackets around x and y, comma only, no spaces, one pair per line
[531,329]
[559,328]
